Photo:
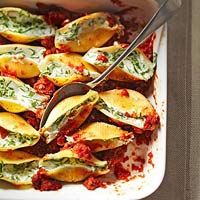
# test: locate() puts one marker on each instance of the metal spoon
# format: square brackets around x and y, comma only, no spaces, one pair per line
[165,11]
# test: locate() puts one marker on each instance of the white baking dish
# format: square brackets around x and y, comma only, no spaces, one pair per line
[139,187]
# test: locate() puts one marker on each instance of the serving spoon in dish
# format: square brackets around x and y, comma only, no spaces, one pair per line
[166,10]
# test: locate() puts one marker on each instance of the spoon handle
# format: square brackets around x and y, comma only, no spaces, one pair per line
[164,12]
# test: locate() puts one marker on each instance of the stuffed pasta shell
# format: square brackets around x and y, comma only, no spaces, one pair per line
[69,114]
[100,136]
[129,107]
[15,132]
[92,30]
[20,26]
[68,166]
[64,68]
[18,167]
[135,67]
[21,60]
[16,96]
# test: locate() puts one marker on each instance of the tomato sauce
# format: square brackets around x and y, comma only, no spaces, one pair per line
[147,46]
[150,159]
[42,182]
[44,86]
[41,148]
[124,93]
[83,151]
[3,133]
[102,58]
[48,42]
[55,17]
[144,138]
[120,172]
[32,119]
[92,183]
[151,122]
[8,72]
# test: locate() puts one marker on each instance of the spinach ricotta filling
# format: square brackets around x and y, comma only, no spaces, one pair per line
[68,162]
[23,22]
[114,113]
[14,140]
[63,119]
[75,29]
[18,172]
[22,94]
[18,52]
[58,69]
[135,63]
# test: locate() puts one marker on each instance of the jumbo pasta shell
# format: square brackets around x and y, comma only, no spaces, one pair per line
[67,166]
[65,68]
[135,67]
[20,26]
[126,106]
[100,136]
[20,133]
[21,60]
[16,96]
[18,167]
[69,113]
[92,30]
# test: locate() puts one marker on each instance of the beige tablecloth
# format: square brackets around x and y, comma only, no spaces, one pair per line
[182,179]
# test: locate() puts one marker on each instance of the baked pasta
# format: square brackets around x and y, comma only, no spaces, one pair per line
[85,137]
[20,26]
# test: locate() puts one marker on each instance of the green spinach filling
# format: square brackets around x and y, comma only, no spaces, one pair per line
[18,52]
[67,162]
[138,120]
[135,63]
[18,172]
[16,139]
[24,22]
[23,94]
[63,119]
[58,69]
[75,29]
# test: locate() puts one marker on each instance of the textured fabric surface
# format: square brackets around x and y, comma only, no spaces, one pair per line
[180,168]
[195,138]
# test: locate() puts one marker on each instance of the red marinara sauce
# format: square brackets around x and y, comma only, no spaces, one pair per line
[42,182]
[55,17]
[31,118]
[92,183]
[7,72]
[124,93]
[102,58]
[83,151]
[48,42]
[150,159]
[147,46]
[152,122]
[3,133]
[120,172]
[44,86]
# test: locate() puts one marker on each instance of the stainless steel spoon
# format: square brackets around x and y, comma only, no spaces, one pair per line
[165,11]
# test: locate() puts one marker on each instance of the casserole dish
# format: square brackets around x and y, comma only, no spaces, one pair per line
[142,184]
